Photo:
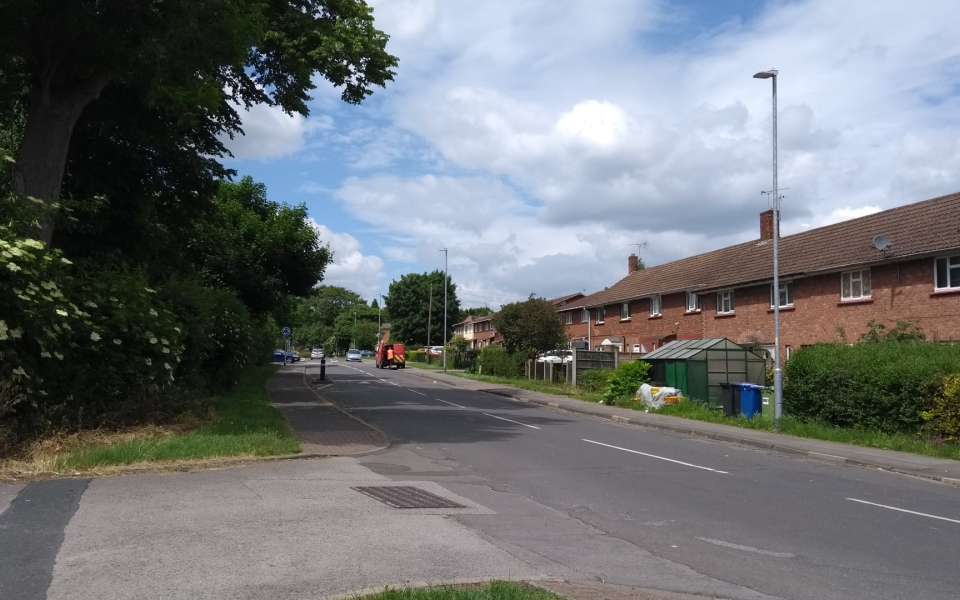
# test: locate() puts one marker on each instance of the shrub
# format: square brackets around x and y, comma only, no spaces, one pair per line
[594,380]
[626,380]
[499,362]
[943,415]
[884,385]
[417,356]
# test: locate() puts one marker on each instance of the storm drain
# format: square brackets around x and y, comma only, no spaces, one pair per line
[405,496]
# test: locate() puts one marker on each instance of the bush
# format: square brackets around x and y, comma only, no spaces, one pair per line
[497,361]
[417,356]
[594,380]
[883,385]
[626,380]
[943,415]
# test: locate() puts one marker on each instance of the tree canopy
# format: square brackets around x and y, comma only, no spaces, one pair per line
[314,317]
[190,63]
[530,327]
[408,302]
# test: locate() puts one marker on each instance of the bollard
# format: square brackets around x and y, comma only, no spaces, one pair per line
[323,368]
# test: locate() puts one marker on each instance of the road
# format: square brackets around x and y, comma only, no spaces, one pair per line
[642,507]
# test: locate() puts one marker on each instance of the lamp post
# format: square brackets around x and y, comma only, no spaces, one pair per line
[446,284]
[777,367]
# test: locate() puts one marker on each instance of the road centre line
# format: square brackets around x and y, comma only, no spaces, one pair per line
[904,510]
[451,403]
[679,462]
[416,392]
[510,420]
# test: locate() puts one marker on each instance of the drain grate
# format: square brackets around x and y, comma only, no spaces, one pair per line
[405,496]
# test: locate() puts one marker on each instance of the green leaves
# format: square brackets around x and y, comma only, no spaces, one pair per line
[530,327]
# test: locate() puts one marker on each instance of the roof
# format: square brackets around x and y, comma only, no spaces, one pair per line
[564,299]
[915,230]
[474,319]
[682,349]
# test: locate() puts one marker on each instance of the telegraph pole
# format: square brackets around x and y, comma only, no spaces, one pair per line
[446,284]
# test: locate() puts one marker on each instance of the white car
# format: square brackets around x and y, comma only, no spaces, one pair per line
[316,353]
[435,350]
[353,355]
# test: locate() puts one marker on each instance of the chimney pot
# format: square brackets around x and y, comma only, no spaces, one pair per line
[766,225]
[632,263]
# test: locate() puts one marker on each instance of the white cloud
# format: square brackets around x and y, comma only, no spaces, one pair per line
[554,139]
[269,132]
[350,267]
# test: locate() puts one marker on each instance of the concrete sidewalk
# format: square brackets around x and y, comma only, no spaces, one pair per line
[322,427]
[916,465]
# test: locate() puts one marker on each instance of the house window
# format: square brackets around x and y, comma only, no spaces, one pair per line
[786,294]
[725,304]
[693,302]
[947,273]
[624,311]
[655,302]
[601,314]
[566,318]
[585,316]
[855,285]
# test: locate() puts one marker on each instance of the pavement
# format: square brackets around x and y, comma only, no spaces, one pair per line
[916,465]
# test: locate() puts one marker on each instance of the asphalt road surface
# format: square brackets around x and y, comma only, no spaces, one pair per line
[642,507]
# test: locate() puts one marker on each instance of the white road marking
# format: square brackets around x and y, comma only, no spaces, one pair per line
[904,510]
[510,420]
[416,392]
[450,403]
[679,462]
[746,548]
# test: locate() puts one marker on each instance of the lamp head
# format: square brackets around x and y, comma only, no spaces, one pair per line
[772,73]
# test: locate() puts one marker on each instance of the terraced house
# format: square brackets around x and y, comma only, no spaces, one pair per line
[901,264]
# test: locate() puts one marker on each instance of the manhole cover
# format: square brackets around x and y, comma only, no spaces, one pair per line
[405,496]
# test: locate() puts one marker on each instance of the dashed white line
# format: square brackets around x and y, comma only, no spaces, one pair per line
[450,403]
[904,510]
[416,392]
[510,420]
[746,548]
[679,462]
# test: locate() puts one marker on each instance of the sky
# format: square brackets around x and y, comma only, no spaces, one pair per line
[540,140]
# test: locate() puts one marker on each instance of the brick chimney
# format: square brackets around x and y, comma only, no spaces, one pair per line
[766,225]
[632,263]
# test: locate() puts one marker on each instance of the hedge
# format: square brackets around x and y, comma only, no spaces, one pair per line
[885,386]
[499,362]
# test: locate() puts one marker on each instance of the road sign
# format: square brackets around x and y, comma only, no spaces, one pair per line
[285,332]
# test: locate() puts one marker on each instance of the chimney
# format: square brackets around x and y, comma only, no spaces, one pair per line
[632,263]
[766,225]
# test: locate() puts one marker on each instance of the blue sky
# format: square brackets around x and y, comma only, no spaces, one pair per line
[539,139]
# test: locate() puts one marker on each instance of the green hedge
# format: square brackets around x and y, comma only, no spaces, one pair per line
[884,386]
[499,362]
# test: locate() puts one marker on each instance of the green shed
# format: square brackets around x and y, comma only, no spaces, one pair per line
[699,368]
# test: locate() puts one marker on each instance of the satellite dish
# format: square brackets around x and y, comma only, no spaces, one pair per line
[881,242]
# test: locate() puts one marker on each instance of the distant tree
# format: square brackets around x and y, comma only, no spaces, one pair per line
[408,301]
[374,303]
[477,311]
[530,327]
[355,327]
[315,315]
[201,58]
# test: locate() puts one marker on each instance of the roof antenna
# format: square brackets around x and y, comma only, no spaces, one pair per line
[638,246]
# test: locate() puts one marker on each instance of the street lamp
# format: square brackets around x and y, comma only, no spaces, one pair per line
[445,286]
[777,367]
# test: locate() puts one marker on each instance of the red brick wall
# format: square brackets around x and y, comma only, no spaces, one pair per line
[900,292]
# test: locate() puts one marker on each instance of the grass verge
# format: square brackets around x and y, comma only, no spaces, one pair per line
[243,424]
[497,590]
[525,384]
[820,431]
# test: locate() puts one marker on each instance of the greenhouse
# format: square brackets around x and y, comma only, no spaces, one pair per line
[702,368]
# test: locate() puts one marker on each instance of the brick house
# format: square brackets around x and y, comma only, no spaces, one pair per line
[901,264]
[477,330]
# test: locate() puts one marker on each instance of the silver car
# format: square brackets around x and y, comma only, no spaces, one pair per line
[353,355]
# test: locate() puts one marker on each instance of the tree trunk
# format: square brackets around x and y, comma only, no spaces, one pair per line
[42,159]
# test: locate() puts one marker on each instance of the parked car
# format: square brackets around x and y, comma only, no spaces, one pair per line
[354,355]
[435,350]
[294,356]
[556,357]
[316,353]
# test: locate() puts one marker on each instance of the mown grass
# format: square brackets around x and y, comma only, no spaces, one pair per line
[497,590]
[532,385]
[820,431]
[242,424]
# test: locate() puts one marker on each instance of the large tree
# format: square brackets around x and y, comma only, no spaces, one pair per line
[408,302]
[314,316]
[200,59]
[530,327]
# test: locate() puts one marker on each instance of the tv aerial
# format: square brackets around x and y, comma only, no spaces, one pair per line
[881,242]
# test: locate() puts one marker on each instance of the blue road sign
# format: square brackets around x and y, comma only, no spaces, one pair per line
[285,332]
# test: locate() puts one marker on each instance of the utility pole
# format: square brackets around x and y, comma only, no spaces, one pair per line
[446,284]
[429,313]
[777,367]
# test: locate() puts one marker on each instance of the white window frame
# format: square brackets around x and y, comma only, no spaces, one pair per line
[952,262]
[656,305]
[585,315]
[695,306]
[566,317]
[624,311]
[848,279]
[786,289]
[601,315]
[726,295]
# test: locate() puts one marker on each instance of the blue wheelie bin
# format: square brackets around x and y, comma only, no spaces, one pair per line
[751,401]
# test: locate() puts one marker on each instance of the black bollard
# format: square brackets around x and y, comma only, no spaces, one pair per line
[323,368]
